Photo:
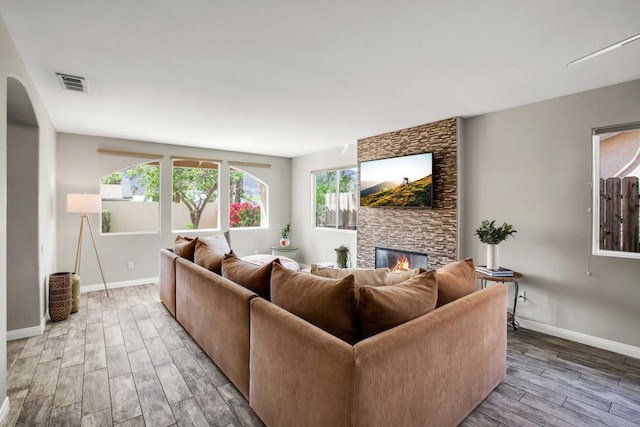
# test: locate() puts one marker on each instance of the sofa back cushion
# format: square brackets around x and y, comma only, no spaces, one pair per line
[395,277]
[185,247]
[327,303]
[249,275]
[219,242]
[382,308]
[209,254]
[456,280]
[361,276]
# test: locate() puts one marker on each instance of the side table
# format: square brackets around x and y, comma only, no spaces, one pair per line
[289,251]
[484,278]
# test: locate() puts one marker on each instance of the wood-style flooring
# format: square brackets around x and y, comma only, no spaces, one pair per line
[125,361]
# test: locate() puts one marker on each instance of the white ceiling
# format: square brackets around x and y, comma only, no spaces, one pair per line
[292,77]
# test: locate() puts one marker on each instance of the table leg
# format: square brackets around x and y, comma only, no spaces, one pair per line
[515,304]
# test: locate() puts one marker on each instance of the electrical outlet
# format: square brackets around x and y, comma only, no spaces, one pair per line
[522,296]
[130,265]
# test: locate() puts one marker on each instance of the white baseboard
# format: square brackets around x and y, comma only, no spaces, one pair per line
[111,285]
[32,331]
[617,347]
[4,409]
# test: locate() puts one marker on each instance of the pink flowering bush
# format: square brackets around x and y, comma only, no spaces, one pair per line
[244,215]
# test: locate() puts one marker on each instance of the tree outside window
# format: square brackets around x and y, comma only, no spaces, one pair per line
[195,195]
[335,199]
[247,200]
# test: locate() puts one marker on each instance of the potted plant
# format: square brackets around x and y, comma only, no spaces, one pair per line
[493,236]
[342,255]
[284,236]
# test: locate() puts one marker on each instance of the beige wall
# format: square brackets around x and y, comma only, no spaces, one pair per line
[531,167]
[23,281]
[11,66]
[80,168]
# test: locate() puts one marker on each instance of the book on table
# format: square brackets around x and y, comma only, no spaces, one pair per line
[500,272]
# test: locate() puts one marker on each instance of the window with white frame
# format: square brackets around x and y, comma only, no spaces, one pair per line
[335,202]
[131,200]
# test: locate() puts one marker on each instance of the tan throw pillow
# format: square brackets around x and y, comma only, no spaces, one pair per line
[385,307]
[395,277]
[185,247]
[218,242]
[210,257]
[326,303]
[456,280]
[253,277]
[361,276]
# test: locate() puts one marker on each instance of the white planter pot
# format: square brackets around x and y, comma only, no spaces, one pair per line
[285,242]
[493,261]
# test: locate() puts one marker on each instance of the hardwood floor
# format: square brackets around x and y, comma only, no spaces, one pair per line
[125,361]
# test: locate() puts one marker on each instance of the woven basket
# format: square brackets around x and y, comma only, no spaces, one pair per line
[59,296]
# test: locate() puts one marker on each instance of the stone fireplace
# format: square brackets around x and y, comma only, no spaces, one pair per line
[432,231]
[399,260]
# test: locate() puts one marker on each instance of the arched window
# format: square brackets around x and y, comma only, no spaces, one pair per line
[247,200]
[131,199]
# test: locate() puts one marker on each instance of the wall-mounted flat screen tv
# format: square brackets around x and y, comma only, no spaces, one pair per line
[404,182]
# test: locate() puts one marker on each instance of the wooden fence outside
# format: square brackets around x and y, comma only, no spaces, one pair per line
[346,202]
[619,214]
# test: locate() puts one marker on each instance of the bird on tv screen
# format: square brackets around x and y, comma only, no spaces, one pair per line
[405,182]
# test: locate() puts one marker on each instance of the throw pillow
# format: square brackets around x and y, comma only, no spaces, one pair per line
[217,242]
[385,307]
[185,247]
[361,276]
[456,280]
[327,303]
[244,273]
[395,277]
[210,257]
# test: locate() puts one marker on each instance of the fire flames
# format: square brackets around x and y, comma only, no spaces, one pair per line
[402,264]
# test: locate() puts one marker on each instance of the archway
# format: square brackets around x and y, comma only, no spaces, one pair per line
[23,254]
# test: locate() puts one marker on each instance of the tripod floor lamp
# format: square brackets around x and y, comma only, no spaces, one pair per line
[86,204]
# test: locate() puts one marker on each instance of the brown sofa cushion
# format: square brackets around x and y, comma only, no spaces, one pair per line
[327,303]
[384,307]
[210,257]
[456,280]
[185,247]
[395,277]
[361,276]
[219,242]
[253,277]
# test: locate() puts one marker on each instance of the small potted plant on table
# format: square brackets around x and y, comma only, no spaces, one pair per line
[284,236]
[493,236]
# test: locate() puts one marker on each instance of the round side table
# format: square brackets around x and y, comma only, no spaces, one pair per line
[484,278]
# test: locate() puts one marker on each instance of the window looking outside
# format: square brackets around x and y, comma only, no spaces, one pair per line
[247,200]
[131,200]
[195,195]
[335,201]
[616,190]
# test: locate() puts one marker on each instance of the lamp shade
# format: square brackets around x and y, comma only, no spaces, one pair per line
[84,203]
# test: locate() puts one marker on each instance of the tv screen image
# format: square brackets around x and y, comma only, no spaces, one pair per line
[397,181]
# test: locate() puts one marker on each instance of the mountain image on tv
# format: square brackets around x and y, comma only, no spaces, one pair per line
[398,181]
[412,194]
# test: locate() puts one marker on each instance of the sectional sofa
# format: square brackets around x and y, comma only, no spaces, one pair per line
[429,371]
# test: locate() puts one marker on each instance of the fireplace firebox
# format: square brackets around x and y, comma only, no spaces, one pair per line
[400,260]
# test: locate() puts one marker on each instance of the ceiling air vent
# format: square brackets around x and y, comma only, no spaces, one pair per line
[69,82]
